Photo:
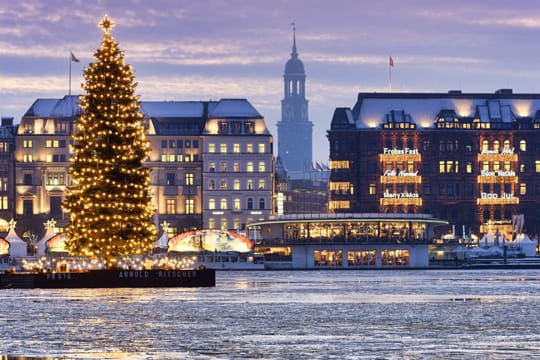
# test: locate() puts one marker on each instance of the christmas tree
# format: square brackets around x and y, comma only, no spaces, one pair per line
[109,203]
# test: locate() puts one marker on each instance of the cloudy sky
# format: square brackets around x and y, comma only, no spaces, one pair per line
[212,49]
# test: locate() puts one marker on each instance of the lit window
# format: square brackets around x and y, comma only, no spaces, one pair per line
[236,204]
[223,204]
[223,148]
[28,158]
[469,168]
[522,189]
[223,167]
[250,184]
[27,143]
[522,168]
[211,223]
[211,185]
[236,185]
[249,148]
[211,148]
[537,166]
[506,144]
[261,148]
[223,224]
[485,145]
[236,167]
[223,184]
[236,223]
[249,167]
[236,148]
[56,179]
[261,184]
[171,206]
[496,166]
[523,145]
[211,204]
[190,206]
[189,178]
[496,145]
[262,167]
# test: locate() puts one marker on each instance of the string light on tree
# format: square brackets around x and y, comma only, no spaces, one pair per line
[109,204]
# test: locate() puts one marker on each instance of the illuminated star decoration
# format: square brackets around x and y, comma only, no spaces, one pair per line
[50,224]
[12,224]
[106,24]
[165,226]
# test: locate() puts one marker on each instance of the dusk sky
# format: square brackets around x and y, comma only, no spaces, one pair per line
[212,49]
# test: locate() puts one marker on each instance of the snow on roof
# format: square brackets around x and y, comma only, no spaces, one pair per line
[423,108]
[234,108]
[190,109]
[65,107]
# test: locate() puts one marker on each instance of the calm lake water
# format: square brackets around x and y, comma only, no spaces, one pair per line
[491,314]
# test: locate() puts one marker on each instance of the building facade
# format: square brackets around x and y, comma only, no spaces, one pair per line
[178,133]
[7,172]
[238,166]
[295,130]
[470,159]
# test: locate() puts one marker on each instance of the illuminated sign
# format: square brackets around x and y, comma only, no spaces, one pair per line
[401,195]
[495,199]
[401,151]
[496,152]
[401,173]
[498,173]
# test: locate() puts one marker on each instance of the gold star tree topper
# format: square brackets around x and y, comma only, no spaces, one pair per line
[106,24]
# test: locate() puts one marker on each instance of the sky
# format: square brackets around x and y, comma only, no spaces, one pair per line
[211,49]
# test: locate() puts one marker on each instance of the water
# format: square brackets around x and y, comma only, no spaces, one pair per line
[490,314]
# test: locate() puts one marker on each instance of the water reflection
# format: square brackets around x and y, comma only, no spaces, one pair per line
[285,315]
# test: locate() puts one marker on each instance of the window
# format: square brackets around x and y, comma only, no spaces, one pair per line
[427,189]
[496,145]
[261,148]
[56,205]
[195,144]
[223,184]
[172,144]
[212,204]
[522,189]
[537,166]
[249,167]
[236,127]
[249,185]
[223,224]
[28,207]
[190,206]
[55,179]
[187,144]
[261,204]
[189,178]
[211,148]
[236,167]
[223,167]
[223,204]
[261,184]
[223,127]
[27,143]
[496,166]
[485,145]
[211,185]
[237,204]
[250,204]
[249,127]
[171,206]
[28,158]
[163,144]
[55,143]
[179,144]
[522,145]
[249,148]
[236,184]
[522,168]
[236,148]
[262,166]
[212,223]
[171,179]
[223,148]
[507,144]
[27,179]
[469,169]
[212,167]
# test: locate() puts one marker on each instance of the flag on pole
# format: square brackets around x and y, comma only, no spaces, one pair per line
[73,58]
[391,61]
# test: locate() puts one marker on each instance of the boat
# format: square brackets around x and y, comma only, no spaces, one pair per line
[110,278]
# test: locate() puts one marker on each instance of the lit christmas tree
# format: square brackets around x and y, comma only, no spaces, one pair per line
[109,204]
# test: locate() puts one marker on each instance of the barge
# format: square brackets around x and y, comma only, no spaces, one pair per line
[108,279]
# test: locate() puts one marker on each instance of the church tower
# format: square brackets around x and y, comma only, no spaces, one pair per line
[294,129]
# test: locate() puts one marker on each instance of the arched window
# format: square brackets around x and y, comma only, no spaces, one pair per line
[522,145]
[249,167]
[250,204]
[506,144]
[211,204]
[497,215]
[485,145]
[496,145]
[236,204]
[261,204]
[486,215]
[223,204]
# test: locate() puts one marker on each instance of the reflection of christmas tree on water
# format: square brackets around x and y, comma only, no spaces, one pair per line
[109,205]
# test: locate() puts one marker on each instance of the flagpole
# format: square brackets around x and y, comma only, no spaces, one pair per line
[70,60]
[390,74]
